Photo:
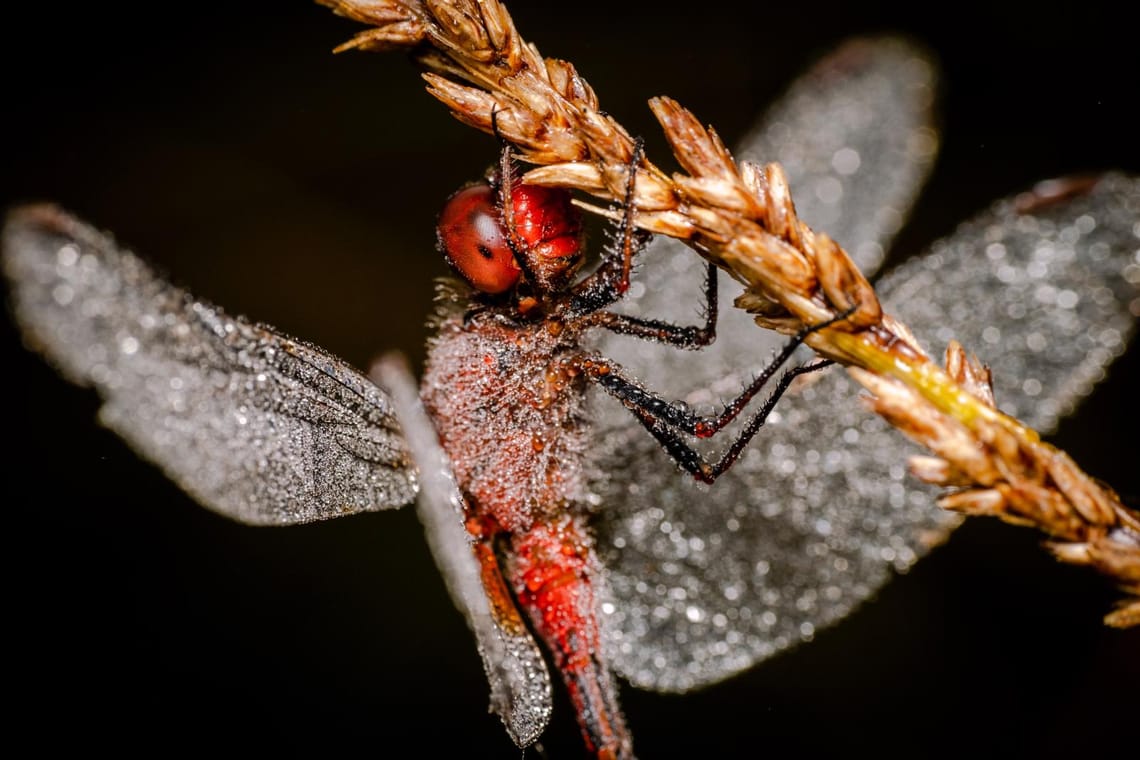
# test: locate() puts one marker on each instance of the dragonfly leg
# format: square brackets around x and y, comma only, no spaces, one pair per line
[681,336]
[665,419]
[610,280]
[691,460]
[506,186]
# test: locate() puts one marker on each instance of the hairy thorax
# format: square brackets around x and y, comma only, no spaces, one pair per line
[508,410]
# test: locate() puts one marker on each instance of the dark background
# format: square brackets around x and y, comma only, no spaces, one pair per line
[227,143]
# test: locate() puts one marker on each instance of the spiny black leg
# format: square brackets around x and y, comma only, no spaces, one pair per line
[690,460]
[636,398]
[611,280]
[681,336]
[506,201]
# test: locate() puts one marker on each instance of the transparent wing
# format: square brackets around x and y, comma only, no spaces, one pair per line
[520,682]
[254,425]
[856,139]
[811,521]
[861,118]
[855,136]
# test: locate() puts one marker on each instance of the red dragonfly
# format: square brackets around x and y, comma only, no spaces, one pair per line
[674,615]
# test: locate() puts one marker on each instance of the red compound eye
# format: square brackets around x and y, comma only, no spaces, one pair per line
[472,238]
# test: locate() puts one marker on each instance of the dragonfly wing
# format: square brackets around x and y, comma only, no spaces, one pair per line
[520,682]
[874,100]
[1043,287]
[855,137]
[855,177]
[257,426]
[819,511]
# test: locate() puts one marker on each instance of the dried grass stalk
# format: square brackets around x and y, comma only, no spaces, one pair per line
[741,217]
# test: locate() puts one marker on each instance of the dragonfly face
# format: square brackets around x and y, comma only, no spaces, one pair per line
[187,582]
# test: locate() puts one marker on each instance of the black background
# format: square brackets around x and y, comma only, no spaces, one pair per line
[227,143]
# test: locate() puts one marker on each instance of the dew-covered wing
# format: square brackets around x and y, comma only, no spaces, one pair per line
[520,682]
[855,136]
[818,512]
[253,424]
[860,118]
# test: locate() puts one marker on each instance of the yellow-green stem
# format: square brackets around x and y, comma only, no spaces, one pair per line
[928,380]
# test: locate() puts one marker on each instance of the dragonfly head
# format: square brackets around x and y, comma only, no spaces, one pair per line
[476,244]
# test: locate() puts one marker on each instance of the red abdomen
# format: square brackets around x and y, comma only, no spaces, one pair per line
[554,572]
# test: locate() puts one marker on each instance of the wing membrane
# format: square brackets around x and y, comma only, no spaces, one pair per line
[254,425]
[520,682]
[811,521]
[855,136]
[816,515]
[1047,296]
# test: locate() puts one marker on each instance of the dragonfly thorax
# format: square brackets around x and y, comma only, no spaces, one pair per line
[510,415]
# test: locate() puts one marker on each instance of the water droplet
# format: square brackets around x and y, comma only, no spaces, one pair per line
[846,161]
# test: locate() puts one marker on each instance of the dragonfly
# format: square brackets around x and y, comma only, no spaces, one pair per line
[639,529]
